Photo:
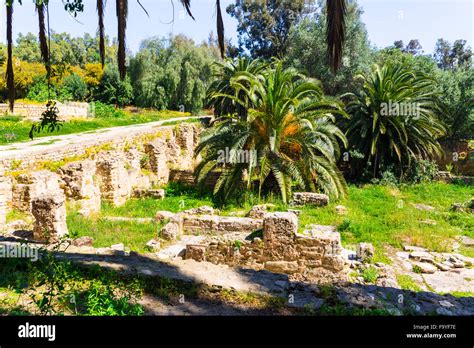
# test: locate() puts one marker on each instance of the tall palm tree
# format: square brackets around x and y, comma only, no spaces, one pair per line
[224,72]
[394,117]
[288,139]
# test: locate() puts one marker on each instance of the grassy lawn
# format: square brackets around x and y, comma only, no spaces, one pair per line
[132,234]
[386,216]
[377,214]
[18,128]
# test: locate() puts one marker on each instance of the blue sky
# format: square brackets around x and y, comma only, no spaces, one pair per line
[386,20]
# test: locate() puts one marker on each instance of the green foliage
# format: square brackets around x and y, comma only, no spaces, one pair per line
[384,215]
[288,139]
[422,171]
[308,51]
[453,56]
[105,111]
[100,300]
[264,26]
[394,118]
[456,89]
[112,89]
[370,274]
[407,283]
[59,287]
[171,74]
[75,87]
[224,72]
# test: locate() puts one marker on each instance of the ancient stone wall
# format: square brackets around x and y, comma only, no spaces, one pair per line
[132,169]
[67,110]
[282,249]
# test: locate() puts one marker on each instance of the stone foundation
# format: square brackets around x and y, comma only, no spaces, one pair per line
[282,250]
[94,174]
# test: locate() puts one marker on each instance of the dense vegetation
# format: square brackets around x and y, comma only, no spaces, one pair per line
[294,114]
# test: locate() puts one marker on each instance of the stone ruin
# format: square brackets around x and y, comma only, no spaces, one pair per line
[113,176]
[269,240]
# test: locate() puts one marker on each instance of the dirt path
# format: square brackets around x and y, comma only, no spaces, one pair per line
[45,145]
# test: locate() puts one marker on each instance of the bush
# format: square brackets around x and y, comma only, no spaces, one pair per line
[75,86]
[422,171]
[102,110]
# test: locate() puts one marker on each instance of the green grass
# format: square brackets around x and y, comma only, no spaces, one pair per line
[375,215]
[385,216]
[106,233]
[407,283]
[20,128]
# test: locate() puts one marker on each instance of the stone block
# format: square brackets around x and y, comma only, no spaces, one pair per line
[310,198]
[115,186]
[365,252]
[282,266]
[196,252]
[79,185]
[49,212]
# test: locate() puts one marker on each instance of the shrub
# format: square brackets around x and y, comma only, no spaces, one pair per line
[422,171]
[102,110]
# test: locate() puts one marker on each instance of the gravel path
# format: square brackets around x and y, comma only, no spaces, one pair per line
[45,145]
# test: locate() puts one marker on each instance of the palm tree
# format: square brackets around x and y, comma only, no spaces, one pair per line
[224,72]
[288,138]
[10,74]
[380,126]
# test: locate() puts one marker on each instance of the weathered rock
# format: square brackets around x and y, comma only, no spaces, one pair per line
[341,210]
[443,267]
[163,215]
[114,181]
[279,233]
[219,224]
[334,262]
[156,150]
[79,185]
[413,248]
[34,185]
[258,211]
[148,193]
[118,247]
[16,225]
[170,231]
[83,242]
[186,140]
[425,267]
[295,211]
[153,245]
[49,212]
[310,198]
[467,241]
[196,252]
[422,256]
[6,196]
[457,207]
[204,210]
[424,207]
[365,252]
[287,267]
